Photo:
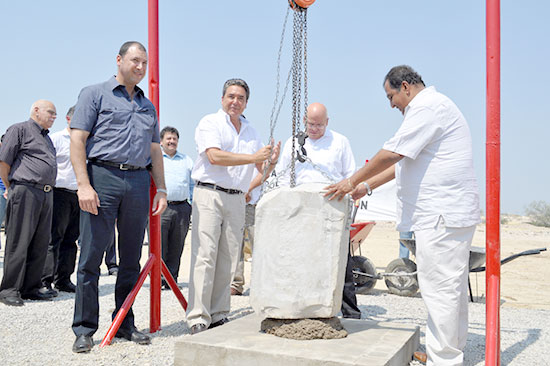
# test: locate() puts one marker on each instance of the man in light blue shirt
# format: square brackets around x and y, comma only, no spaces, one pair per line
[175,220]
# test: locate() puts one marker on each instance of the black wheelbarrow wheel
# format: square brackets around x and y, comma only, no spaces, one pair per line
[403,285]
[363,284]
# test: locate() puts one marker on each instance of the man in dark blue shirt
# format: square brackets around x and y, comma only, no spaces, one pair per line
[28,168]
[114,139]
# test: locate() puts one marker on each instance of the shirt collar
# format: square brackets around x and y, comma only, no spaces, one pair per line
[176,155]
[418,97]
[244,121]
[41,130]
[112,83]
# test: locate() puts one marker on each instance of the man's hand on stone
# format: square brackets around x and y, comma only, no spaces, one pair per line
[339,190]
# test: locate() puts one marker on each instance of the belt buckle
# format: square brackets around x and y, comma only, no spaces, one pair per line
[123,167]
[47,188]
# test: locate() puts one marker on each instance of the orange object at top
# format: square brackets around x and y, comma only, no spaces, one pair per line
[300,3]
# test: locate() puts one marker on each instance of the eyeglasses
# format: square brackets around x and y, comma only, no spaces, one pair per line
[315,125]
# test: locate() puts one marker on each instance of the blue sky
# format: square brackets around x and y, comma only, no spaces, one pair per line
[53,49]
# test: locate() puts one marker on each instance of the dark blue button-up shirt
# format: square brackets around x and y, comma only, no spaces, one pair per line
[121,129]
[29,152]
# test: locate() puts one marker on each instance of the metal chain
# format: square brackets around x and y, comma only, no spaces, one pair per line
[276,111]
[305,66]
[299,70]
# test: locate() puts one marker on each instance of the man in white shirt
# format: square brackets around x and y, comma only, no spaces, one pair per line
[61,257]
[437,199]
[330,152]
[175,219]
[229,148]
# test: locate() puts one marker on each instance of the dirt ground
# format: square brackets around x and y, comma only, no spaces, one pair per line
[524,280]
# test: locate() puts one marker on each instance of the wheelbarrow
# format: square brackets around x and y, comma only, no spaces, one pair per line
[404,281]
[400,274]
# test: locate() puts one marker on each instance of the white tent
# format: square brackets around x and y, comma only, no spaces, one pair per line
[380,206]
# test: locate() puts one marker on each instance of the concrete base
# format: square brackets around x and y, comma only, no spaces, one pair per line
[240,342]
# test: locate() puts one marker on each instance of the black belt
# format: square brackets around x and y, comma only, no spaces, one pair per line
[65,190]
[116,165]
[177,202]
[44,187]
[218,188]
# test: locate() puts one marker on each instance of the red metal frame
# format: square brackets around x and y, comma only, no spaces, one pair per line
[492,240]
[154,266]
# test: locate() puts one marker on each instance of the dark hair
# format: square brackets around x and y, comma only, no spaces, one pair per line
[238,82]
[126,46]
[169,129]
[70,112]
[398,74]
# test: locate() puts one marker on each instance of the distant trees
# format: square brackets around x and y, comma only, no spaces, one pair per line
[539,213]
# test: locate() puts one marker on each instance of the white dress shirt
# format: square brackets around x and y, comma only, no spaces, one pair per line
[436,176]
[216,130]
[331,153]
[65,174]
[177,175]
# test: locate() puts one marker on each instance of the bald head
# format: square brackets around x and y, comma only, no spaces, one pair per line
[317,121]
[43,112]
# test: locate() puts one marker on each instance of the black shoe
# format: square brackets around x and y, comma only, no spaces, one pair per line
[218,323]
[82,344]
[37,295]
[48,290]
[65,286]
[113,271]
[133,335]
[12,301]
[197,328]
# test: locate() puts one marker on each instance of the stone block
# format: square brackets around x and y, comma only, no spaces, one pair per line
[300,253]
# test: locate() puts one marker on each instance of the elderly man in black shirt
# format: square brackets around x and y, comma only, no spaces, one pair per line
[28,168]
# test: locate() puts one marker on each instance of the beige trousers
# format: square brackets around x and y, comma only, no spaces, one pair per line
[216,236]
[442,257]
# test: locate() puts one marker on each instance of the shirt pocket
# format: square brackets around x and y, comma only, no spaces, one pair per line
[146,117]
[113,119]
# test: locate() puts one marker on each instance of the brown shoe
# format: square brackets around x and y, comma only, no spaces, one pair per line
[420,356]
[235,292]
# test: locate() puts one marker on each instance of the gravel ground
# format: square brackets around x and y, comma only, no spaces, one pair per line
[39,333]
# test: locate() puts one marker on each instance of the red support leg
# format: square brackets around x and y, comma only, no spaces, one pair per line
[127,303]
[173,285]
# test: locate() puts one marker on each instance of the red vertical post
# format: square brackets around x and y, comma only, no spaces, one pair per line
[154,221]
[492,241]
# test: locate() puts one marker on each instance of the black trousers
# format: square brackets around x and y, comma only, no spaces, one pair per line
[124,197]
[28,229]
[61,257]
[349,300]
[174,227]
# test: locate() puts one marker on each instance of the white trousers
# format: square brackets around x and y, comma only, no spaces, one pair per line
[216,237]
[442,256]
